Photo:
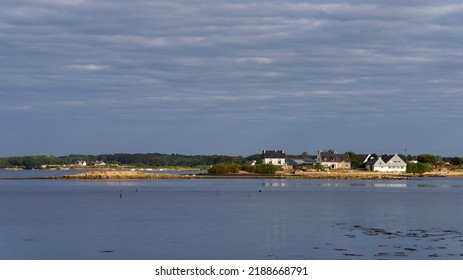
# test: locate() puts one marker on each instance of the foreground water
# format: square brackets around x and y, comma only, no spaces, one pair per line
[231,219]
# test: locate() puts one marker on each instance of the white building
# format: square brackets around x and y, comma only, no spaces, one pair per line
[275,157]
[81,163]
[389,163]
[100,163]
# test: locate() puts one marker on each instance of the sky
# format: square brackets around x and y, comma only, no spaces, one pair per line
[230,77]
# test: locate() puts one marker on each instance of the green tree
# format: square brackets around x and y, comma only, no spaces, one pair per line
[16,161]
[4,163]
[256,157]
[354,160]
[304,155]
[457,161]
[427,158]
[419,167]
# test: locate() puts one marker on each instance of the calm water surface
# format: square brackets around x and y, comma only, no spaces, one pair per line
[231,219]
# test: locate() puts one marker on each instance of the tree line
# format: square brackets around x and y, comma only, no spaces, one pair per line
[191,161]
[137,160]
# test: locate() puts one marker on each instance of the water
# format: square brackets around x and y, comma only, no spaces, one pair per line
[231,219]
[37,173]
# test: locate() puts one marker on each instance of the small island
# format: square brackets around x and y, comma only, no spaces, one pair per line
[271,164]
[322,175]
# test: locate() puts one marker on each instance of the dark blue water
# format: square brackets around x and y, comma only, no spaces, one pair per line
[231,219]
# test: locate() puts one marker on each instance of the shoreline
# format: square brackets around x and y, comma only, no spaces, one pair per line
[340,175]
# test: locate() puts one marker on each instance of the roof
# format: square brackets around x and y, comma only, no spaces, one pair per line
[372,161]
[296,161]
[332,156]
[385,159]
[363,157]
[389,157]
[273,154]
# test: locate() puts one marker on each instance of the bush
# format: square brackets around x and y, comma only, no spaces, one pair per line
[267,169]
[224,168]
[249,168]
[319,166]
[419,167]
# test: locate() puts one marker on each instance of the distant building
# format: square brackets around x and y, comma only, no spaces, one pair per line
[275,157]
[333,160]
[81,163]
[389,163]
[100,163]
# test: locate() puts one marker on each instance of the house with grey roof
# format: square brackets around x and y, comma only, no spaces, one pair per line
[100,163]
[333,160]
[275,157]
[389,163]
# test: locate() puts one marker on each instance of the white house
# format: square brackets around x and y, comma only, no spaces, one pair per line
[100,163]
[81,163]
[389,163]
[275,157]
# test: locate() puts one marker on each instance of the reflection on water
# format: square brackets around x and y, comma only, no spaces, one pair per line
[389,185]
[111,183]
[275,231]
[275,183]
[380,184]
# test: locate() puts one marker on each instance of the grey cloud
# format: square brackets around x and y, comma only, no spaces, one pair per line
[292,63]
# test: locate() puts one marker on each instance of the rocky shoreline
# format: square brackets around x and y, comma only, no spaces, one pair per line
[118,175]
[321,175]
[346,175]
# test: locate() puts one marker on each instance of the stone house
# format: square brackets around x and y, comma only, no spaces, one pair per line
[333,160]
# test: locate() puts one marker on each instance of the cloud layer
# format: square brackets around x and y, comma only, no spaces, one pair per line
[231,76]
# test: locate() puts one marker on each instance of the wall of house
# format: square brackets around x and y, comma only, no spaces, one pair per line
[395,164]
[390,168]
[336,165]
[344,165]
[381,168]
[274,161]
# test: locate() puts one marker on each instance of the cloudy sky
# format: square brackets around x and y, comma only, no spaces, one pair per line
[230,77]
